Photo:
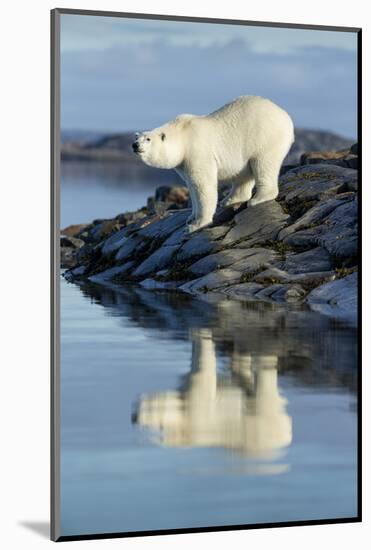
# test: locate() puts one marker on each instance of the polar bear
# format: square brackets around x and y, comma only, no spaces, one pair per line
[244,143]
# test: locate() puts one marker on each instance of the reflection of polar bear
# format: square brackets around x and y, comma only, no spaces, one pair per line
[246,414]
[244,143]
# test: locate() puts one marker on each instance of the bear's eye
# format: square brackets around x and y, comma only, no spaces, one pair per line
[163,136]
[148,139]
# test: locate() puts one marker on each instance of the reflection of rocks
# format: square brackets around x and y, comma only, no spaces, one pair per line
[278,251]
[314,348]
[243,412]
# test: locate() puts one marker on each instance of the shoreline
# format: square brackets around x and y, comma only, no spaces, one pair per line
[301,248]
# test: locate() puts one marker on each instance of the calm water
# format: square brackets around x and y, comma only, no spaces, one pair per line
[181,413]
[91,190]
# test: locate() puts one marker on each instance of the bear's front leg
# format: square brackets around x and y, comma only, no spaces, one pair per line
[194,212]
[204,200]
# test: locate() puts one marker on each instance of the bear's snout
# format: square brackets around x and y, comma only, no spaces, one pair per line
[135,146]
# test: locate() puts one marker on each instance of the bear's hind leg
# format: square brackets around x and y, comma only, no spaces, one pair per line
[266,170]
[240,192]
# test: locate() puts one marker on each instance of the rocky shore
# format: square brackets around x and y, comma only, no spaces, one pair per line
[300,248]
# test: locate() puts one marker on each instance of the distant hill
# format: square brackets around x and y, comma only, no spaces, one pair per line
[79,136]
[88,146]
[315,140]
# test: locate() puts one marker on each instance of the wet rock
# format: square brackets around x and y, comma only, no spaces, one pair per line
[111,273]
[75,273]
[340,238]
[102,230]
[115,241]
[85,253]
[243,260]
[243,290]
[202,243]
[268,291]
[274,275]
[224,215]
[314,183]
[257,224]
[289,293]
[317,259]
[215,280]
[307,238]
[337,298]
[160,259]
[165,226]
[128,246]
[152,284]
[311,217]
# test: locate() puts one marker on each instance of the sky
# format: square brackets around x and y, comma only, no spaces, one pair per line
[122,74]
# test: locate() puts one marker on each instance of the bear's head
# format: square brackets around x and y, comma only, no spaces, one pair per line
[162,147]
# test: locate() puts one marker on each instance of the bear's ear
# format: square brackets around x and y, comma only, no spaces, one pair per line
[163,136]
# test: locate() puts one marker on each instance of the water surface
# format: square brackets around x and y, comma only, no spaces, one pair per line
[178,413]
[91,190]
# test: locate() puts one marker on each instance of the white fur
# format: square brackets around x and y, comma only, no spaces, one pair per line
[243,143]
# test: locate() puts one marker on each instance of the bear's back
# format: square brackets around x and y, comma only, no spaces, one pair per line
[247,105]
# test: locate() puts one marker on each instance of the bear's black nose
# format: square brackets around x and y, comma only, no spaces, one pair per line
[135,146]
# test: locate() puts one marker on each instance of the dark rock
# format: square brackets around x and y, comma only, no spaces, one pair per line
[337,298]
[340,239]
[115,241]
[273,275]
[165,226]
[67,257]
[202,243]
[128,246]
[160,259]
[317,259]
[257,224]
[290,293]
[312,216]
[111,273]
[152,284]
[71,242]
[313,183]
[223,215]
[242,290]
[212,281]
[243,260]
[102,230]
[354,149]
[307,238]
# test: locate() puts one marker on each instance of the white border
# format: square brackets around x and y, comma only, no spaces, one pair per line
[25,268]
